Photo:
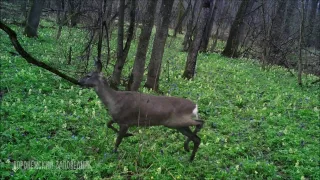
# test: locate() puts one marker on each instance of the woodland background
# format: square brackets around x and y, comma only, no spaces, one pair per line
[253,67]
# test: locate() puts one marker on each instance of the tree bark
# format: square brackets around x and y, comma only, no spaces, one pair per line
[208,28]
[301,34]
[276,35]
[195,45]
[24,10]
[31,29]
[293,4]
[159,42]
[231,49]
[109,11]
[61,18]
[120,61]
[311,23]
[98,62]
[74,13]
[136,75]
[188,36]
[123,52]
[317,29]
[178,27]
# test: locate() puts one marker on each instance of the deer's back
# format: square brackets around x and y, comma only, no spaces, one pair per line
[136,108]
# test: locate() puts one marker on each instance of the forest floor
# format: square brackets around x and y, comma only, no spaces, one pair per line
[259,124]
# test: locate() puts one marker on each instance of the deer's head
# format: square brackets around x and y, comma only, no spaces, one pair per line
[91,80]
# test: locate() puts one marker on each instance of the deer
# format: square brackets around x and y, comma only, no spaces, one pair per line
[129,108]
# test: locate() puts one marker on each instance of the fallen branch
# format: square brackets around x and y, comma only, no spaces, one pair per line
[30,59]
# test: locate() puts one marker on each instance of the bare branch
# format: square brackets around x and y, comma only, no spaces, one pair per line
[29,58]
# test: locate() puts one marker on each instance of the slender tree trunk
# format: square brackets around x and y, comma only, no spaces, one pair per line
[215,40]
[122,56]
[276,35]
[208,28]
[24,10]
[317,29]
[60,18]
[225,10]
[266,32]
[188,36]
[130,31]
[301,34]
[311,23]
[178,27]
[293,4]
[231,49]
[159,42]
[109,15]
[136,75]
[195,45]
[75,8]
[98,63]
[31,29]
[120,61]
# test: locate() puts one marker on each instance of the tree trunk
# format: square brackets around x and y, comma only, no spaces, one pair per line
[317,29]
[139,63]
[31,29]
[98,63]
[195,45]
[234,36]
[225,7]
[120,60]
[109,16]
[208,28]
[188,36]
[311,23]
[74,13]
[60,20]
[301,34]
[24,10]
[276,35]
[293,4]
[159,42]
[123,52]
[178,27]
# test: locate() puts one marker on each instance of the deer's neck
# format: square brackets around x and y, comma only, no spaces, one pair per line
[106,94]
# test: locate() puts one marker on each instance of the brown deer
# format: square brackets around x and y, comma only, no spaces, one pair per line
[129,108]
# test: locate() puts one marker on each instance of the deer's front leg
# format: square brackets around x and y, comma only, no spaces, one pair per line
[197,129]
[122,132]
[109,125]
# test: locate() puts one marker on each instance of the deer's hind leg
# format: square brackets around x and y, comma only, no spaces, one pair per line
[109,125]
[196,140]
[196,130]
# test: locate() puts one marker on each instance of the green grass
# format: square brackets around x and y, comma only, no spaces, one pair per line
[259,124]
